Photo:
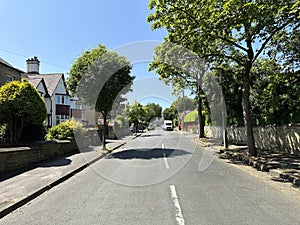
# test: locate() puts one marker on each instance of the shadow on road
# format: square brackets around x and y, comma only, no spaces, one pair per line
[150,135]
[147,153]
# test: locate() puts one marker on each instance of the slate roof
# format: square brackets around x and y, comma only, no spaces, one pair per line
[2,61]
[35,81]
[51,80]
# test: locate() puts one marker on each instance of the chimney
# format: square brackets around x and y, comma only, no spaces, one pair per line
[33,65]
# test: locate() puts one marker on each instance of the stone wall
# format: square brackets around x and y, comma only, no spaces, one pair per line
[285,138]
[21,157]
[191,127]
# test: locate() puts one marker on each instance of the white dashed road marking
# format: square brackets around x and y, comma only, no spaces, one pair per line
[179,216]
[165,158]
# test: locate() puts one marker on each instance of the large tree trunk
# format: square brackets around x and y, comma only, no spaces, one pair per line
[199,109]
[246,111]
[104,132]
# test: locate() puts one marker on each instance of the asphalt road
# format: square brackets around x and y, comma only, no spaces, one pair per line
[161,178]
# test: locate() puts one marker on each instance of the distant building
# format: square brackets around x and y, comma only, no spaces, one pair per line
[76,108]
[8,72]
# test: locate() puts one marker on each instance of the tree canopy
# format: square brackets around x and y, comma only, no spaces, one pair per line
[170,113]
[182,69]
[238,31]
[20,105]
[100,78]
[152,111]
[184,104]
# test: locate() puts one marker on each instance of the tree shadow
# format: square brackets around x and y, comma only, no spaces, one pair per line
[55,162]
[147,153]
[62,161]
[151,135]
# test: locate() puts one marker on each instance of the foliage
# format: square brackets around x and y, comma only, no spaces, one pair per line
[152,111]
[184,103]
[170,113]
[191,117]
[65,129]
[230,77]
[182,69]
[137,114]
[100,78]
[20,105]
[122,121]
[275,95]
[285,49]
[33,132]
[238,31]
[81,65]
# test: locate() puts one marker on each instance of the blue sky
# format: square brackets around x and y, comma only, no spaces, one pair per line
[57,31]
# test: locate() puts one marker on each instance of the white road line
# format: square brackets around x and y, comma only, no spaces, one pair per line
[179,216]
[166,162]
[165,158]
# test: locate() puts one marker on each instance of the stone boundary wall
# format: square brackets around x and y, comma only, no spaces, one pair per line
[12,159]
[191,127]
[286,138]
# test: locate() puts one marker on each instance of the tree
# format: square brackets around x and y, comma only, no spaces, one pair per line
[184,103]
[20,105]
[100,78]
[152,111]
[275,94]
[239,31]
[285,50]
[137,114]
[169,113]
[231,81]
[183,69]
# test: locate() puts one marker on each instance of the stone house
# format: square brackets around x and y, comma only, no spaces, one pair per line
[8,72]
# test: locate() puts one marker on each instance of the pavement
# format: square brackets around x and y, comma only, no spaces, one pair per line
[21,187]
[281,165]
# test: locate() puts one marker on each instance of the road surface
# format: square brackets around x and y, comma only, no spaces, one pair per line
[162,178]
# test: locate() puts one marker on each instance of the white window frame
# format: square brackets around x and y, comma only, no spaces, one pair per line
[61,118]
[62,99]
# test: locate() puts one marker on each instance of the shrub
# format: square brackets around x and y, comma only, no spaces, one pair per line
[65,129]
[20,105]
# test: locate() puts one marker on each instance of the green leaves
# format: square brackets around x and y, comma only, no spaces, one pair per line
[20,105]
[275,95]
[100,77]
[66,129]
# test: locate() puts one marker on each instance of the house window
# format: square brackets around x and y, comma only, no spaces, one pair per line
[9,78]
[75,104]
[62,99]
[61,118]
